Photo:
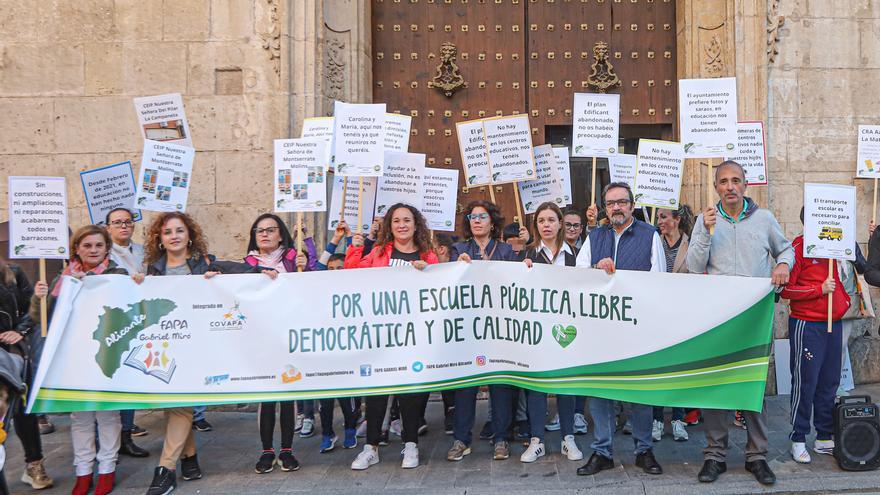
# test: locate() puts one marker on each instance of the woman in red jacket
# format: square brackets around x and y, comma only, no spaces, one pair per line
[403,240]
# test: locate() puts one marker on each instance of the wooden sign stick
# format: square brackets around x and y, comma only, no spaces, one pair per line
[344,198]
[299,235]
[593,184]
[653,214]
[519,215]
[360,202]
[709,191]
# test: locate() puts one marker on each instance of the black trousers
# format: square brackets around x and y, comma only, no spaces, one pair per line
[411,407]
[267,424]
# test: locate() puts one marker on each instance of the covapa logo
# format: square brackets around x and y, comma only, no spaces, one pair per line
[233,319]
[291,374]
[153,359]
[480,360]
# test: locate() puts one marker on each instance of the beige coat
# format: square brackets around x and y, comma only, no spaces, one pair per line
[680,264]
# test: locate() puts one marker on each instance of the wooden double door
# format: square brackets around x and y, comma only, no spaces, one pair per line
[522,56]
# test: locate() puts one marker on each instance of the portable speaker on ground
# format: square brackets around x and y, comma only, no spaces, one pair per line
[857,433]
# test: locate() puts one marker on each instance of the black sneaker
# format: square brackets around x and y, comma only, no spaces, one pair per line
[486,433]
[448,422]
[202,425]
[266,463]
[137,431]
[164,482]
[288,461]
[383,438]
[423,427]
[189,468]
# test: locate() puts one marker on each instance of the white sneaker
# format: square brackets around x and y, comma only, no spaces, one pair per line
[361,430]
[534,451]
[299,422]
[679,432]
[553,424]
[580,424]
[308,428]
[825,447]
[395,427]
[570,449]
[410,455]
[368,457]
[657,430]
[800,453]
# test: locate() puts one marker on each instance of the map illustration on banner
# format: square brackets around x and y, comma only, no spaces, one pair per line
[162,119]
[868,164]
[659,169]
[474,157]
[751,152]
[358,139]
[165,175]
[829,221]
[440,197]
[37,217]
[108,188]
[300,177]
[707,113]
[595,124]
[509,148]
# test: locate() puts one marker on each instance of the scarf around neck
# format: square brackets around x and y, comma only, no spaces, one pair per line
[272,260]
[75,266]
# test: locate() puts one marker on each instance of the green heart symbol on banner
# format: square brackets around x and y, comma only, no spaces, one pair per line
[564,335]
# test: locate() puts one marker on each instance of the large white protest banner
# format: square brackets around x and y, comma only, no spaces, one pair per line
[441,195]
[175,341]
[751,152]
[300,177]
[397,132]
[351,203]
[509,148]
[563,166]
[402,181]
[37,217]
[358,139]
[829,221]
[622,168]
[868,163]
[546,186]
[659,169]
[595,124]
[474,158]
[107,188]
[162,119]
[165,175]
[707,113]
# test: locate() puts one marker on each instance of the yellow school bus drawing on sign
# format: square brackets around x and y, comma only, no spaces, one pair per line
[831,233]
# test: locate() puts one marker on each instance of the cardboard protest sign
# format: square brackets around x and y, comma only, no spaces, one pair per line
[751,152]
[509,148]
[707,113]
[595,124]
[351,203]
[658,173]
[358,139]
[38,218]
[440,196]
[397,132]
[402,181]
[164,179]
[622,168]
[108,188]
[162,119]
[547,185]
[563,165]
[868,163]
[474,158]
[829,221]
[300,176]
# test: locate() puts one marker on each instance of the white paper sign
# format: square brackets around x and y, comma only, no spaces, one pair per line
[320,127]
[595,124]
[358,139]
[162,119]
[474,159]
[108,188]
[300,176]
[750,152]
[38,218]
[509,148]
[165,176]
[658,173]
[707,112]
[397,132]
[402,181]
[368,203]
[622,168]
[829,221]
[868,164]
[441,195]
[547,186]
[563,165]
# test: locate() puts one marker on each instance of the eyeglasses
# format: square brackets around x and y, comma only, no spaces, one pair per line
[267,230]
[572,226]
[477,216]
[122,223]
[619,202]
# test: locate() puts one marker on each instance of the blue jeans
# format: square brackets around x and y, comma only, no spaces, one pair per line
[503,402]
[127,417]
[199,413]
[537,407]
[605,423]
[580,404]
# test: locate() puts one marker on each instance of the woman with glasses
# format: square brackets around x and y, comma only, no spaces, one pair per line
[483,227]
[271,246]
[573,224]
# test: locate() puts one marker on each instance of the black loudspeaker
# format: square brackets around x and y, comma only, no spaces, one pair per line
[857,433]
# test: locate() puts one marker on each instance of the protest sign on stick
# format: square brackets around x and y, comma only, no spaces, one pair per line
[300,176]
[402,181]
[107,188]
[165,177]
[751,152]
[358,139]
[563,164]
[344,208]
[622,168]
[474,159]
[397,132]
[509,151]
[162,119]
[659,170]
[595,129]
[441,195]
[320,127]
[868,163]
[547,186]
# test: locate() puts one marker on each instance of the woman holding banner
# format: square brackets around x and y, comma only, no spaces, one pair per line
[550,248]
[176,246]
[90,246]
[403,240]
